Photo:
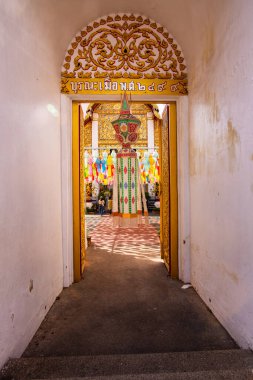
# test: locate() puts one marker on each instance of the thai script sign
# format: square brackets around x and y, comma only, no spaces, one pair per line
[117,86]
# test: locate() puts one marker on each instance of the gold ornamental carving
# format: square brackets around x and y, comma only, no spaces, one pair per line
[156,131]
[87,134]
[124,46]
[136,108]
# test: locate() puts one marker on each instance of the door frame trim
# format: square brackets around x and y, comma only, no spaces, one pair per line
[182,170]
[169,195]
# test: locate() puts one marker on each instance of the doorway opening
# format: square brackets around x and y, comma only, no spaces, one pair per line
[93,150]
[143,59]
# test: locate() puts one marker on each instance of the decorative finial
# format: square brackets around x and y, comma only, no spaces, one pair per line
[125,108]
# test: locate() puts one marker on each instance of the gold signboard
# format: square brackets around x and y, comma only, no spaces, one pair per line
[118,86]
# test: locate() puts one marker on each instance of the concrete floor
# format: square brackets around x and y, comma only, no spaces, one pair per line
[126,303]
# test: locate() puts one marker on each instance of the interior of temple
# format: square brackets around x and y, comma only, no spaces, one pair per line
[99,159]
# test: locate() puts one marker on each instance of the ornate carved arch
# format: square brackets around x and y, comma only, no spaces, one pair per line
[124,48]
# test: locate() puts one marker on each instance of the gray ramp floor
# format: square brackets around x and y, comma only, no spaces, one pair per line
[126,303]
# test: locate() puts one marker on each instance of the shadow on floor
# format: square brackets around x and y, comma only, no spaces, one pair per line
[127,305]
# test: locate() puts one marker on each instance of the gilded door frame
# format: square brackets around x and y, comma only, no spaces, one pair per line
[79,253]
[169,189]
[168,192]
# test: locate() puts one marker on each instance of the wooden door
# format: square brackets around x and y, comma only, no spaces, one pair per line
[168,189]
[78,192]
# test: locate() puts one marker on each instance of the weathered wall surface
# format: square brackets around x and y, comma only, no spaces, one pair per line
[216,38]
[34,36]
[221,165]
[30,229]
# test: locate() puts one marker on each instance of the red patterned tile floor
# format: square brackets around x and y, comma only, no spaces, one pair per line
[141,242]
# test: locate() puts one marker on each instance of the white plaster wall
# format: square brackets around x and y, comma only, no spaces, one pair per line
[66,190]
[216,38]
[151,131]
[30,224]
[184,257]
[221,165]
[94,131]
